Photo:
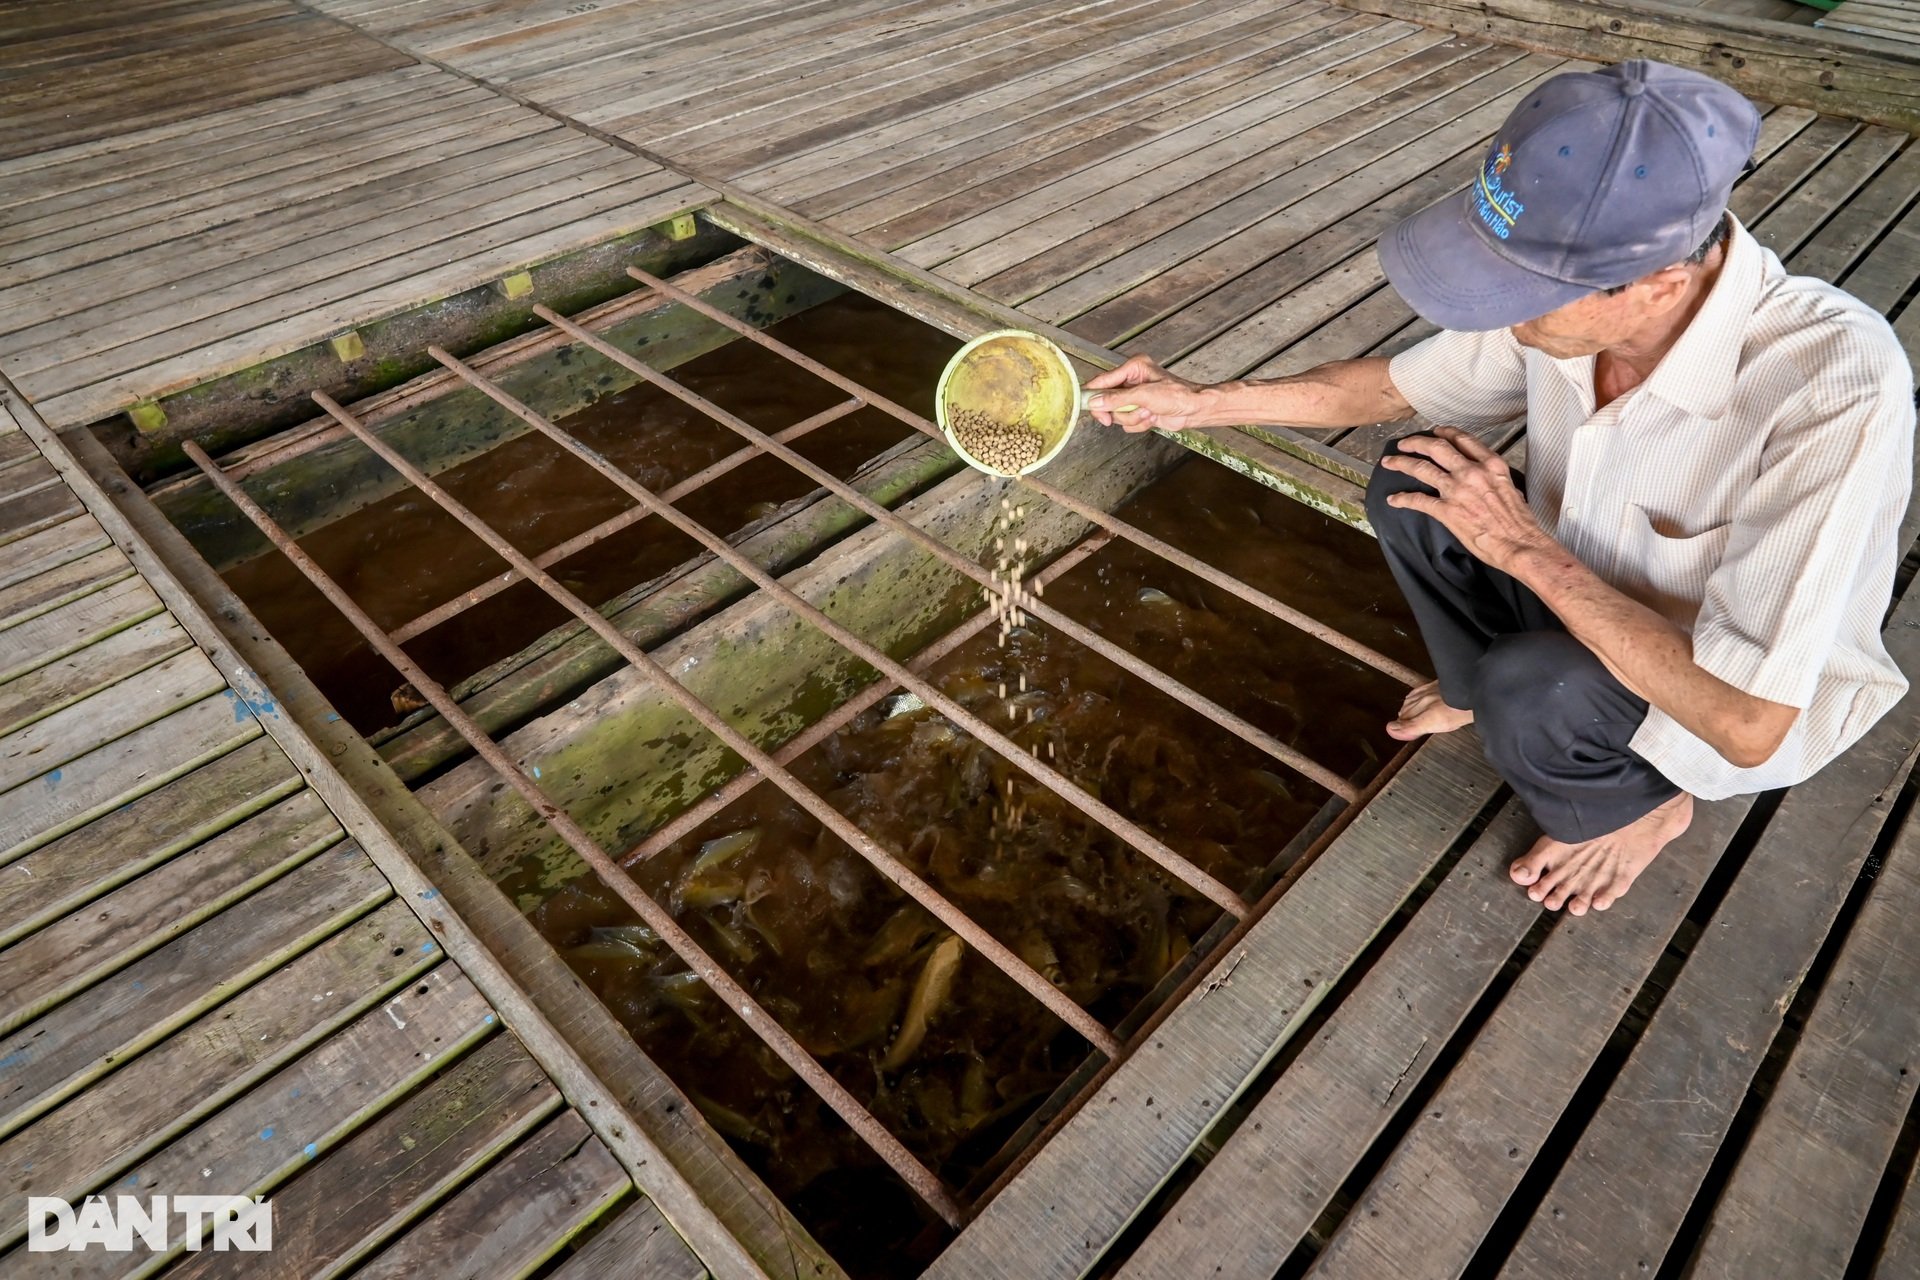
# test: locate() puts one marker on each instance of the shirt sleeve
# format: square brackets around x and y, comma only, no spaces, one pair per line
[1802,534]
[1464,379]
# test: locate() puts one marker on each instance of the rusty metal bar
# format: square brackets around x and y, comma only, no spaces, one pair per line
[883,859]
[607,528]
[841,716]
[923,1181]
[1065,788]
[1237,725]
[1105,519]
[1200,973]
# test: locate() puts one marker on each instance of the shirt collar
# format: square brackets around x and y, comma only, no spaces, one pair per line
[1697,374]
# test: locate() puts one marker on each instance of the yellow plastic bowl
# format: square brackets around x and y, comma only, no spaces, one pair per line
[1012,376]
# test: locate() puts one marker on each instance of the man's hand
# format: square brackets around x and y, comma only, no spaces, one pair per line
[1158,399]
[1477,499]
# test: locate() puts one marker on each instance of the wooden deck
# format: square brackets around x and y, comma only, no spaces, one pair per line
[211,989]
[156,258]
[1893,20]
[1410,1071]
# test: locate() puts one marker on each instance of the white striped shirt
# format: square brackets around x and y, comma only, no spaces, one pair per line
[1750,490]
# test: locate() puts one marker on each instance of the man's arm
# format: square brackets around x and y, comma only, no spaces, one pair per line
[1646,652]
[1346,393]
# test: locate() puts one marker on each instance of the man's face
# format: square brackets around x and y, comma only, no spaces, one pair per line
[1586,326]
[1599,321]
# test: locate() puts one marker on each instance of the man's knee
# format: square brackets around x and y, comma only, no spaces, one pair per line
[1389,520]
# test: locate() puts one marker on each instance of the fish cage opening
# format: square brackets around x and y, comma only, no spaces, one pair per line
[881,801]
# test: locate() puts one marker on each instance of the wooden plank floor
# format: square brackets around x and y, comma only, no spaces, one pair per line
[1897,21]
[72,73]
[181,247]
[209,989]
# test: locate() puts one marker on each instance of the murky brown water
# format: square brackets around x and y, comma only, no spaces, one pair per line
[403,556]
[836,952]
[831,948]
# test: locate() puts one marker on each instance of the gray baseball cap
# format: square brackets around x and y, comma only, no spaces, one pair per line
[1596,179]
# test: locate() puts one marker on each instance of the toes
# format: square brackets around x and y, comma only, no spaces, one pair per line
[1529,869]
[1579,905]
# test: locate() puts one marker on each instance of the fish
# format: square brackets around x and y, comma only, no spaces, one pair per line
[900,936]
[724,849]
[1153,595]
[930,992]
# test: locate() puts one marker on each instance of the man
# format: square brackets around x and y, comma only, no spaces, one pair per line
[1684,597]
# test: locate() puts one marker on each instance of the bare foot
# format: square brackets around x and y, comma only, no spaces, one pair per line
[1594,873]
[1425,712]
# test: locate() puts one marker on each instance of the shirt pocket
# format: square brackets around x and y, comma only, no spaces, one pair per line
[1668,574]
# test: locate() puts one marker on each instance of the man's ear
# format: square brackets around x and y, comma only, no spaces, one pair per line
[1666,287]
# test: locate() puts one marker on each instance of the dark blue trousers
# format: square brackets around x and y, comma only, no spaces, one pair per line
[1552,719]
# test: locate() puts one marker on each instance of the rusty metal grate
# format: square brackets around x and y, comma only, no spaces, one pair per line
[771,766]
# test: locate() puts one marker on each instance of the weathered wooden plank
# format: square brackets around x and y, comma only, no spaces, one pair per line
[59,800]
[138,335]
[49,549]
[311,1105]
[113,931]
[111,850]
[58,172]
[34,596]
[1856,227]
[939,190]
[1809,1170]
[271,182]
[1429,1207]
[35,511]
[197,249]
[637,1245]
[197,352]
[1377,148]
[516,1215]
[1775,61]
[64,1051]
[218,1056]
[1325,85]
[1261,1194]
[350,1202]
[43,691]
[73,626]
[136,295]
[1669,1109]
[1058,1216]
[111,713]
[1120,82]
[270,59]
[1789,226]
[75,233]
[30,474]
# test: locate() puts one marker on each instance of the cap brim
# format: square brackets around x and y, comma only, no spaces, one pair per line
[1438,261]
